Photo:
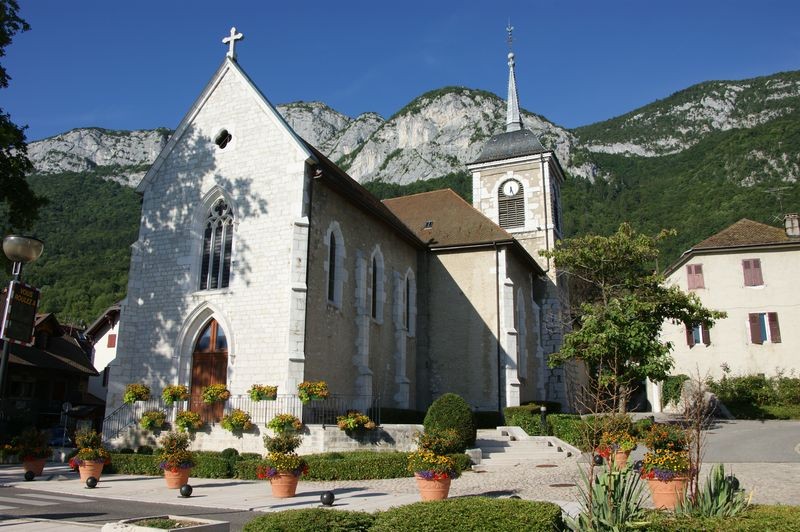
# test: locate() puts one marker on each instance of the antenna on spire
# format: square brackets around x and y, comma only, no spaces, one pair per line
[513,118]
[510,38]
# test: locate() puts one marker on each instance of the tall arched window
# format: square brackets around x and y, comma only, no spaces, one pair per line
[334,265]
[377,296]
[410,303]
[215,271]
[511,204]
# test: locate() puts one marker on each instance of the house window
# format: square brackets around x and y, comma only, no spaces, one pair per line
[752,272]
[511,204]
[217,247]
[112,340]
[694,274]
[696,334]
[764,327]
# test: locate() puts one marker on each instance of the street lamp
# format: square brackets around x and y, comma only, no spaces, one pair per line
[20,250]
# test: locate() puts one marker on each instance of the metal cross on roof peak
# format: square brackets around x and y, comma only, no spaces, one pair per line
[231,42]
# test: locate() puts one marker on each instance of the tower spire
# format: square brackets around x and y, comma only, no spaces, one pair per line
[513,117]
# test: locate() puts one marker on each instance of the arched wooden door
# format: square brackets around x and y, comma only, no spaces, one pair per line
[209,366]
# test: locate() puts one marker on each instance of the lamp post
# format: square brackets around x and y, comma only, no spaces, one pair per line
[20,250]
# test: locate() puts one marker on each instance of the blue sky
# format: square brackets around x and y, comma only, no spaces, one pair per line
[139,65]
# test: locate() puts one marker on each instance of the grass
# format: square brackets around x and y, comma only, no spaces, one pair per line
[165,524]
[752,411]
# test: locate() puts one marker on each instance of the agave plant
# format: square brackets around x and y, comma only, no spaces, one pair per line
[720,497]
[612,500]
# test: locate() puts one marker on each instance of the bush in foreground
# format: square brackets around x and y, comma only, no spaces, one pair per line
[450,411]
[471,514]
[311,520]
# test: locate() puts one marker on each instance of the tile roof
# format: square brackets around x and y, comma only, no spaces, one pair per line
[452,220]
[746,233]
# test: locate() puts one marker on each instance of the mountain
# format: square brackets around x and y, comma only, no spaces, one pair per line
[695,161]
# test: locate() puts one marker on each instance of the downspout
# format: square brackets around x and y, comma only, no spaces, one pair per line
[499,352]
[546,233]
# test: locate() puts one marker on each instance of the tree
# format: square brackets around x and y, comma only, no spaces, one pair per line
[18,204]
[621,307]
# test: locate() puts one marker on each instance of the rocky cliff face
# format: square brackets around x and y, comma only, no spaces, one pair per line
[682,120]
[435,134]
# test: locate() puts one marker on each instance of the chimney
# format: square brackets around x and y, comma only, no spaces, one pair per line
[792,224]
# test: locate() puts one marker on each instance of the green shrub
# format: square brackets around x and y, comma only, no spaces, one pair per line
[125,450]
[246,469]
[249,456]
[471,514]
[311,520]
[754,519]
[787,391]
[527,417]
[671,391]
[211,465]
[133,464]
[450,411]
[570,428]
[358,465]
[144,449]
[440,441]
[228,453]
[642,427]
[752,389]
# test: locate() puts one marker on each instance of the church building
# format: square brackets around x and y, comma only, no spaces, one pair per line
[259,261]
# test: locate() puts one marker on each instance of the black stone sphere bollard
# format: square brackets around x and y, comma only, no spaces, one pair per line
[186,491]
[29,475]
[91,482]
[327,498]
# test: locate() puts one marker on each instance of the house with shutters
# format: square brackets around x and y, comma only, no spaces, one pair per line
[260,261]
[748,270]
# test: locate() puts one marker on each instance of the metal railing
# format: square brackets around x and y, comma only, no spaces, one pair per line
[312,413]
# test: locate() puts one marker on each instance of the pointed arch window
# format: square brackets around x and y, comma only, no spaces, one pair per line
[334,265]
[215,271]
[511,204]
[332,268]
[377,287]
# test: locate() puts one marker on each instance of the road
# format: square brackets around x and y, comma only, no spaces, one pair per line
[19,503]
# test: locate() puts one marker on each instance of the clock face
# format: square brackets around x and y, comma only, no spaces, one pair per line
[510,188]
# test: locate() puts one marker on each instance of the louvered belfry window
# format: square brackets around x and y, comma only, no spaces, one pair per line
[217,247]
[511,208]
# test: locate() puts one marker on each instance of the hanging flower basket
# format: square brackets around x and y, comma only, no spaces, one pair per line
[173,393]
[153,420]
[263,392]
[136,392]
[237,421]
[186,420]
[312,391]
[215,393]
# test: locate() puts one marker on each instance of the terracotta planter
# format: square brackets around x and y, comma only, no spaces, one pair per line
[37,466]
[176,479]
[284,485]
[620,459]
[667,493]
[90,469]
[433,490]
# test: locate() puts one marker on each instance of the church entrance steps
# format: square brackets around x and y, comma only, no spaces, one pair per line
[506,447]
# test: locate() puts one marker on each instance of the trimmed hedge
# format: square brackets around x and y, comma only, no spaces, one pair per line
[754,519]
[471,514]
[356,465]
[133,464]
[570,428]
[311,520]
[527,417]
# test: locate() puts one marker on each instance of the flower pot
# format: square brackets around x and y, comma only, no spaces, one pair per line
[37,466]
[667,493]
[433,489]
[90,468]
[176,479]
[620,459]
[284,485]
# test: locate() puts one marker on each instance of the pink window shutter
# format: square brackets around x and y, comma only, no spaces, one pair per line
[706,335]
[758,279]
[689,336]
[755,329]
[774,328]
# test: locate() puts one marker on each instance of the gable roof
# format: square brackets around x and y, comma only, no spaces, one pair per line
[744,234]
[454,221]
[104,322]
[340,181]
[228,65]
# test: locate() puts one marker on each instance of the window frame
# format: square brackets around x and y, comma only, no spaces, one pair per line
[216,248]
[694,277]
[768,328]
[511,209]
[752,272]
